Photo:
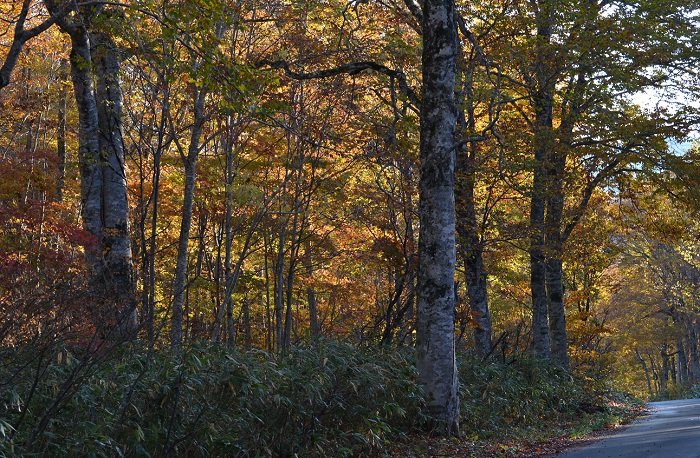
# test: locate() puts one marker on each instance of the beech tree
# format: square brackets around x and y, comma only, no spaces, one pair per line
[573,79]
[477,118]
[105,208]
[435,337]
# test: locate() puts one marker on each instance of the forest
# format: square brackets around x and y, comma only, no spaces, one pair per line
[344,227]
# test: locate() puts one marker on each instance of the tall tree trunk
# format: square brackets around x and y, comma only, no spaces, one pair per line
[116,231]
[477,294]
[88,151]
[311,292]
[190,163]
[395,310]
[435,345]
[188,330]
[555,282]
[407,324]
[555,309]
[646,371]
[663,381]
[219,275]
[555,239]
[470,244]
[248,332]
[180,282]
[151,285]
[682,362]
[692,339]
[61,132]
[142,248]
[279,290]
[228,234]
[654,374]
[538,287]
[105,210]
[543,100]
[232,281]
[230,325]
[271,328]
[291,271]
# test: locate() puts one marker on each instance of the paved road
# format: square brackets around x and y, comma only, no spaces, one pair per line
[671,430]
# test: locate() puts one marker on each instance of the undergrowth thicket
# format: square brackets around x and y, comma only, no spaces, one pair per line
[329,399]
[678,391]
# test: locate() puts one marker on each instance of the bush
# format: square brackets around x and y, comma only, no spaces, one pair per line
[519,397]
[678,391]
[327,400]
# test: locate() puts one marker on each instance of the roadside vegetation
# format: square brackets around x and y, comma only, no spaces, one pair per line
[678,392]
[326,399]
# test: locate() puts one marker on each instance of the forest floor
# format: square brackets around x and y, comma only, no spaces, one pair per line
[551,442]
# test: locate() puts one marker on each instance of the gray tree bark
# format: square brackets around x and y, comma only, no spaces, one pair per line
[435,339]
[471,247]
[555,309]
[554,272]
[279,288]
[538,288]
[683,375]
[554,240]
[190,162]
[228,243]
[314,330]
[89,159]
[150,305]
[543,139]
[665,368]
[101,159]
[116,238]
[474,274]
[692,339]
[247,326]
[296,232]
[646,372]
[61,132]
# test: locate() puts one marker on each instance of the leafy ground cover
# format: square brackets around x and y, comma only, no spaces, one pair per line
[527,408]
[546,440]
[326,399]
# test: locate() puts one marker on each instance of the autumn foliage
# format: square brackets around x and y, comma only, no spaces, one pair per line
[269,158]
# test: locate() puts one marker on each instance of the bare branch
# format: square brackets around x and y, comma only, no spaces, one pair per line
[352,68]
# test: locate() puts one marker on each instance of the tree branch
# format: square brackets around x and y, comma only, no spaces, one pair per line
[587,193]
[21,36]
[352,68]
[415,10]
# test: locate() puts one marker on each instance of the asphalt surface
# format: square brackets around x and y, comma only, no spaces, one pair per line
[672,429]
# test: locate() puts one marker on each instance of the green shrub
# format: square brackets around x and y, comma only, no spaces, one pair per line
[678,391]
[518,397]
[327,400]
